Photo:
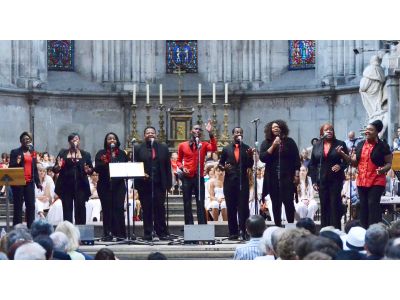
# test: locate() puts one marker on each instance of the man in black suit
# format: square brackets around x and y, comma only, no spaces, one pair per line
[236,158]
[153,187]
[25,157]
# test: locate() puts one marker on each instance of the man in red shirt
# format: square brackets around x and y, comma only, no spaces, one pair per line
[193,171]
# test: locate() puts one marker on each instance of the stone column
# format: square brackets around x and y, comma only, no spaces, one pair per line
[350,57]
[340,58]
[106,46]
[393,105]
[245,54]
[228,61]
[359,59]
[220,60]
[136,61]
[32,102]
[257,57]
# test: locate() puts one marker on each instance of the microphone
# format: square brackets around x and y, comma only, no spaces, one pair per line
[324,136]
[133,141]
[239,138]
[255,120]
[30,146]
[197,140]
[112,146]
[151,141]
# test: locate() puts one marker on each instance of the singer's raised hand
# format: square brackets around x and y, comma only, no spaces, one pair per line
[208,126]
[336,168]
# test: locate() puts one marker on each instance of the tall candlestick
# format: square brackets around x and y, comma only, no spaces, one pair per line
[226,93]
[214,96]
[199,93]
[134,94]
[147,94]
[160,93]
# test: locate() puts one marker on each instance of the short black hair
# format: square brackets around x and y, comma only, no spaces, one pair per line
[156,256]
[332,236]
[116,137]
[233,130]
[41,226]
[25,133]
[144,131]
[72,135]
[105,254]
[47,243]
[255,226]
[308,224]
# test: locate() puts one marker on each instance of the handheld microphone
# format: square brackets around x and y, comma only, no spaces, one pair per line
[133,141]
[151,141]
[112,146]
[197,140]
[255,120]
[30,146]
[324,136]
[239,138]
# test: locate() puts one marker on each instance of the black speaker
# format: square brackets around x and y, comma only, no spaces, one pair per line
[87,234]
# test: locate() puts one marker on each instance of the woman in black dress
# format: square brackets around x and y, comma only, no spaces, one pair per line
[327,175]
[282,163]
[72,186]
[111,192]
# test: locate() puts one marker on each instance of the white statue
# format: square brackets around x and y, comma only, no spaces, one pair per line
[373,92]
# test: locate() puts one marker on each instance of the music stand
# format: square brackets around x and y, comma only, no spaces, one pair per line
[126,171]
[396,164]
[11,177]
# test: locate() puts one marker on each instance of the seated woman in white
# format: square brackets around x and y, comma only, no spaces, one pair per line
[217,197]
[93,205]
[134,206]
[307,206]
[210,172]
[47,199]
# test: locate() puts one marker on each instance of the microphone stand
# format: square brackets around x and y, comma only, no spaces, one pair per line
[198,179]
[256,123]
[153,234]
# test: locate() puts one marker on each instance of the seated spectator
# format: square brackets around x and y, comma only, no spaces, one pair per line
[30,251]
[47,243]
[41,227]
[392,250]
[317,255]
[286,244]
[46,199]
[217,198]
[105,254]
[20,234]
[304,158]
[303,245]
[349,255]
[255,226]
[325,245]
[60,246]
[266,244]
[306,206]
[307,224]
[45,160]
[275,238]
[355,239]
[333,236]
[350,224]
[73,236]
[93,205]
[376,238]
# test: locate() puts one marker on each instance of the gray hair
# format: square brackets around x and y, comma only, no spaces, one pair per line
[30,251]
[275,237]
[376,238]
[266,243]
[60,241]
[72,234]
[16,235]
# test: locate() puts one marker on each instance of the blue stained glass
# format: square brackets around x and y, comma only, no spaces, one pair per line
[183,55]
[60,55]
[301,54]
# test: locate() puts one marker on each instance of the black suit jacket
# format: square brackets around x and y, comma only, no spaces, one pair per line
[228,157]
[142,154]
[13,163]
[103,168]
[61,186]
[333,158]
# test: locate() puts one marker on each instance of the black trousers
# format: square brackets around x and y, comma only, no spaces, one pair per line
[74,201]
[282,192]
[331,203]
[23,194]
[189,187]
[237,205]
[153,209]
[112,197]
[370,207]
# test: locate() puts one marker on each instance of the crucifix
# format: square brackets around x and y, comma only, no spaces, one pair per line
[179,72]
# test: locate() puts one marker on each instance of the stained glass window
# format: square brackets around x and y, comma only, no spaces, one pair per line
[181,54]
[301,54]
[60,55]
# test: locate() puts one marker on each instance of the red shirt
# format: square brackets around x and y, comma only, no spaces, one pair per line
[174,165]
[327,147]
[28,166]
[367,175]
[187,156]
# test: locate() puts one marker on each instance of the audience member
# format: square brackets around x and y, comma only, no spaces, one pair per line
[30,251]
[307,224]
[47,243]
[392,250]
[286,249]
[41,227]
[60,245]
[317,255]
[156,256]
[255,226]
[105,254]
[266,244]
[376,238]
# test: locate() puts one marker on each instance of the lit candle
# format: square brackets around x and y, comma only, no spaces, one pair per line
[199,93]
[147,94]
[226,93]
[160,93]
[134,95]
[214,96]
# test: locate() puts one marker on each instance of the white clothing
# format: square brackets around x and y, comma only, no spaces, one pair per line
[55,210]
[306,211]
[93,205]
[218,193]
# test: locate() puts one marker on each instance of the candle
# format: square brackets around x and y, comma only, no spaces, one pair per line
[226,93]
[147,94]
[160,93]
[199,93]
[134,95]
[214,96]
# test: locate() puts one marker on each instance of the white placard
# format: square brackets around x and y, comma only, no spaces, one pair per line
[126,170]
